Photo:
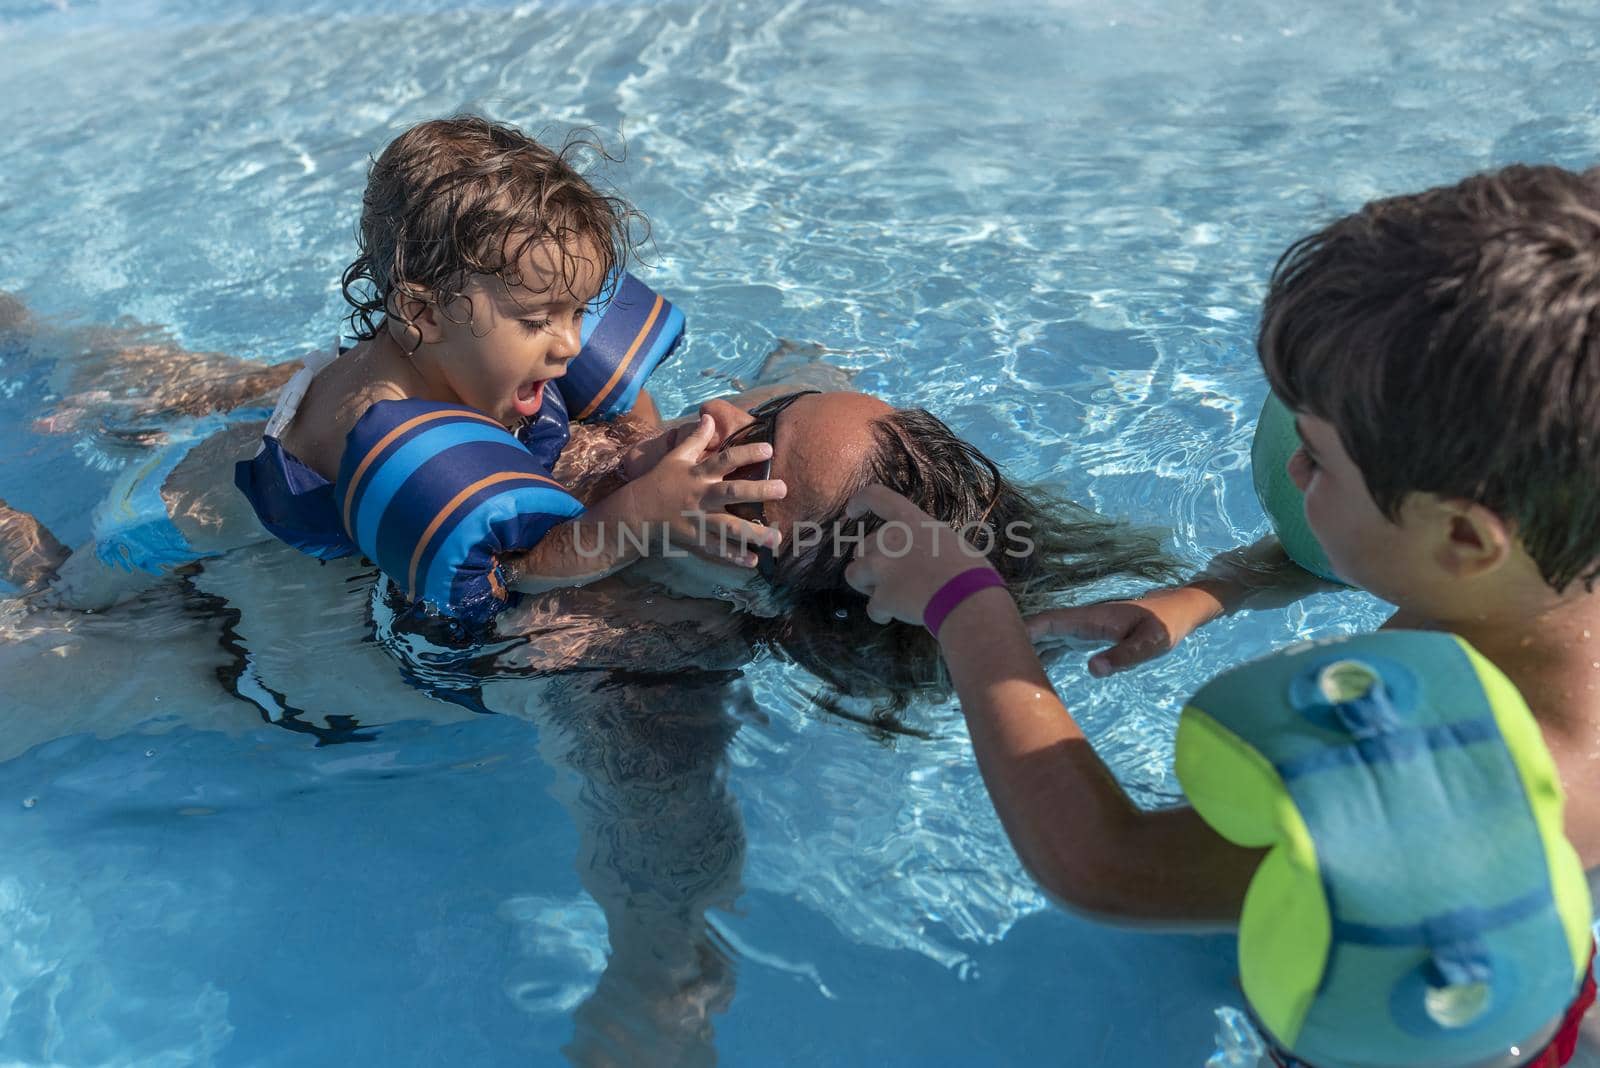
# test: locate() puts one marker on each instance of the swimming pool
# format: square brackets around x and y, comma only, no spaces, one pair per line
[1051,224]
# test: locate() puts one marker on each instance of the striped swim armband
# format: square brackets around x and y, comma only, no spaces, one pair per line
[434,493]
[624,339]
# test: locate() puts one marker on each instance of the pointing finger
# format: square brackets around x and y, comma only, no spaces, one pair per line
[861,576]
[884,502]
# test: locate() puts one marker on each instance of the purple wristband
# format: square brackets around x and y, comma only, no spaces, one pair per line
[958,589]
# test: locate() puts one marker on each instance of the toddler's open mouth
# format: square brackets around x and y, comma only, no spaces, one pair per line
[530,395]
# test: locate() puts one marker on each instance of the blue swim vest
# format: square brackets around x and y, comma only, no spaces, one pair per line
[1419,903]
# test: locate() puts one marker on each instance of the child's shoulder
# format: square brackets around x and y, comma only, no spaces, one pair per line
[335,400]
[1580,781]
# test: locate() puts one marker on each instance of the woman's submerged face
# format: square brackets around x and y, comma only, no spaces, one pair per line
[821,443]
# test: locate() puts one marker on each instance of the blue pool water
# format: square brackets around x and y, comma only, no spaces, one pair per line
[1049,223]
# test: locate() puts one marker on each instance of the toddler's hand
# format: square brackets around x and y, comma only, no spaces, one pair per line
[905,561]
[1138,630]
[691,495]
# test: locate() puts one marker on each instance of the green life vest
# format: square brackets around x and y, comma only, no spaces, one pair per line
[1419,903]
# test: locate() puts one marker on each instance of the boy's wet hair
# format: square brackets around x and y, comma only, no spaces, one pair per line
[460,196]
[1452,337]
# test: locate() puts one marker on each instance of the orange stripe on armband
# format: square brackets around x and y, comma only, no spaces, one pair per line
[383,443]
[455,502]
[644,332]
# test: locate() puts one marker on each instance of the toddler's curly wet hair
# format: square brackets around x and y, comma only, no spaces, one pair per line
[451,198]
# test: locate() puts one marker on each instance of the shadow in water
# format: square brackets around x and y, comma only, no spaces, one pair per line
[661,841]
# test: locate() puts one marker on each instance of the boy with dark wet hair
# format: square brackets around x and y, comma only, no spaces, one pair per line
[1441,354]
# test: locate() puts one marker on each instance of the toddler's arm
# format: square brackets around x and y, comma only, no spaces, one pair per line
[644,412]
[1252,576]
[678,505]
[1072,825]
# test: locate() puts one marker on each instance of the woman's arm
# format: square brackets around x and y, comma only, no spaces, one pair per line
[151,384]
[202,499]
[29,554]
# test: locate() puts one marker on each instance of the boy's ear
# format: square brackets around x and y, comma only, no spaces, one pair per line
[1475,539]
[415,306]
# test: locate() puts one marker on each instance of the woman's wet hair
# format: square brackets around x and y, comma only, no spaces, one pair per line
[455,197]
[1452,338]
[1045,547]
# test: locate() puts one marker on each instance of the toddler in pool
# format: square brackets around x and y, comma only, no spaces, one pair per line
[481,253]
[490,300]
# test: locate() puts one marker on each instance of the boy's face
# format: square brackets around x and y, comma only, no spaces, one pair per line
[498,345]
[1388,559]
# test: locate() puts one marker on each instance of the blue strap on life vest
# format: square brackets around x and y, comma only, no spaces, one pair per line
[434,493]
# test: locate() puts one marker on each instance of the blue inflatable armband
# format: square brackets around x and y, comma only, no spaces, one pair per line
[624,340]
[433,493]
[1276,440]
[1419,902]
